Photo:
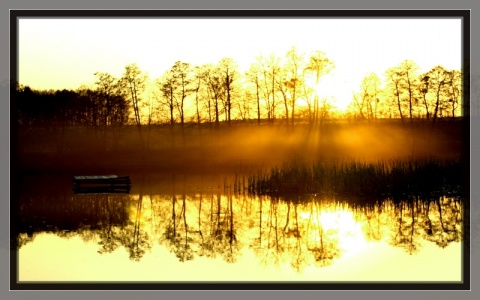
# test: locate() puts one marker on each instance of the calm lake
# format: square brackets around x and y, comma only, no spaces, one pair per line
[184,228]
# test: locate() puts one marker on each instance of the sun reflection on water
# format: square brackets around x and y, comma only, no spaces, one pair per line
[341,223]
[319,239]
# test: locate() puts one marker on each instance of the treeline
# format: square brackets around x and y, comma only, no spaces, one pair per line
[407,94]
[274,89]
[70,108]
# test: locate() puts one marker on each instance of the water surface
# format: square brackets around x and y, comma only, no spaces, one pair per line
[183,228]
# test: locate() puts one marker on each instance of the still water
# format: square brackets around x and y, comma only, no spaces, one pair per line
[184,228]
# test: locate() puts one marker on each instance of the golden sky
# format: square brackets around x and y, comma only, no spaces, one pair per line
[58,53]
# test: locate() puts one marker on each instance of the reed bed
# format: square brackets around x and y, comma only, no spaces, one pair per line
[395,179]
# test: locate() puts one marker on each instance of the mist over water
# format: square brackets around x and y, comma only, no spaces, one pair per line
[194,204]
[161,148]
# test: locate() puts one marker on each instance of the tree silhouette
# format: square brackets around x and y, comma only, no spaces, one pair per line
[111,105]
[136,240]
[227,69]
[438,82]
[410,76]
[253,75]
[443,224]
[197,89]
[181,73]
[424,82]
[270,69]
[110,233]
[396,84]
[455,90]
[280,229]
[326,249]
[215,87]
[168,86]
[294,68]
[367,99]
[133,83]
[318,65]
[184,252]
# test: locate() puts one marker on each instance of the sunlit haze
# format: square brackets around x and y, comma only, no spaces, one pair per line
[65,53]
[305,150]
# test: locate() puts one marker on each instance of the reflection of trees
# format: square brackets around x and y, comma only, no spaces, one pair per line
[137,242]
[443,223]
[102,218]
[221,238]
[110,235]
[200,240]
[172,232]
[23,239]
[325,244]
[41,209]
[178,243]
[439,221]
[406,233]
[228,233]
[175,232]
[373,215]
[212,234]
[273,249]
[90,216]
[297,252]
[278,229]
[256,243]
[291,237]
[185,251]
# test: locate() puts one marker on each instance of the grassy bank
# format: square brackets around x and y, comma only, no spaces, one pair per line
[395,179]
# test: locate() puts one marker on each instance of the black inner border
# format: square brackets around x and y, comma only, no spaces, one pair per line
[228,14]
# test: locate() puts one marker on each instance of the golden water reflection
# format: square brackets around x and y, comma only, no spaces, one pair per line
[302,232]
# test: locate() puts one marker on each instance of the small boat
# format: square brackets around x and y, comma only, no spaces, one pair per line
[101,184]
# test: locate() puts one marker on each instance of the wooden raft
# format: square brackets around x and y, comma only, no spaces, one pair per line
[101,184]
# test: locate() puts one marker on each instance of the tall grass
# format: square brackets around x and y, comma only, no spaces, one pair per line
[396,179]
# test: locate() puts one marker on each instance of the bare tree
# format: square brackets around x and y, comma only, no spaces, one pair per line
[181,73]
[168,85]
[197,86]
[318,65]
[270,70]
[113,106]
[215,88]
[367,99]
[454,90]
[438,80]
[395,83]
[294,68]
[253,77]
[283,89]
[244,105]
[133,82]
[409,71]
[227,70]
[423,87]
